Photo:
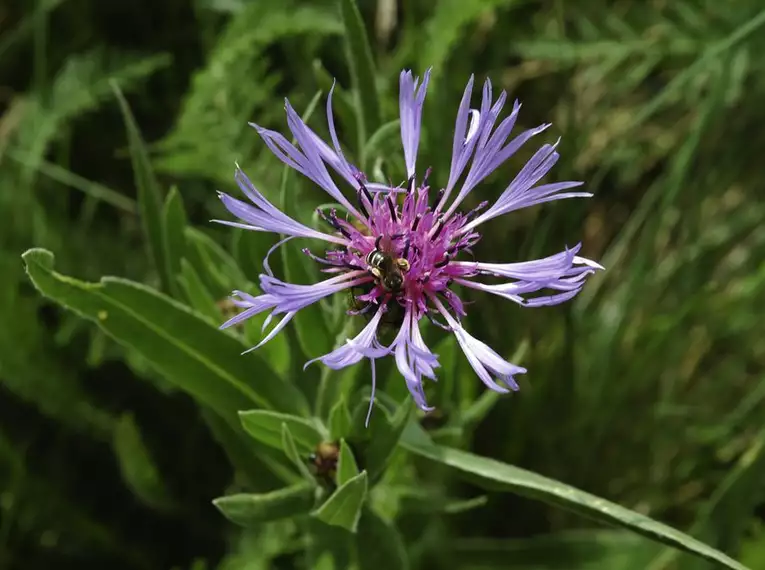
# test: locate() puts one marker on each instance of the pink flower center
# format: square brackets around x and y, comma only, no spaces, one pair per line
[405,246]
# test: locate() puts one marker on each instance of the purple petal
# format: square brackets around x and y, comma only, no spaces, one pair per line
[522,193]
[351,352]
[263,216]
[291,297]
[251,305]
[309,162]
[491,150]
[411,100]
[563,271]
[411,361]
[274,331]
[340,164]
[462,146]
[555,265]
[372,395]
[484,360]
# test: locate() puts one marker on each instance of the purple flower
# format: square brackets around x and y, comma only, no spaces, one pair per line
[399,248]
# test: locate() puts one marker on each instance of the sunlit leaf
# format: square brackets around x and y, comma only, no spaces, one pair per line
[346,464]
[266,426]
[496,475]
[250,509]
[343,508]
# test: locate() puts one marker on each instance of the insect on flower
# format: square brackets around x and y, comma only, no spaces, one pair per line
[400,247]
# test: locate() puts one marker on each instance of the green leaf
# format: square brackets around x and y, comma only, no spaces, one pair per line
[246,455]
[417,499]
[384,438]
[190,352]
[291,450]
[443,30]
[149,193]
[339,420]
[582,549]
[346,464]
[196,293]
[495,475]
[266,427]
[379,544]
[724,519]
[343,508]
[362,67]
[212,261]
[480,407]
[250,248]
[250,509]
[137,466]
[380,141]
[345,111]
[174,240]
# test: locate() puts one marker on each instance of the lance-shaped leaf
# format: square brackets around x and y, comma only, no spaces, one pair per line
[249,509]
[266,427]
[188,350]
[343,508]
[495,475]
[138,467]
[346,464]
[291,451]
[174,240]
[362,66]
[379,544]
[339,420]
[149,193]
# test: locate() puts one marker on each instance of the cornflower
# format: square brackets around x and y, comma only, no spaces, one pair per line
[400,247]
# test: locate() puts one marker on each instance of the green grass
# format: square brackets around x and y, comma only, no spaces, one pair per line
[647,390]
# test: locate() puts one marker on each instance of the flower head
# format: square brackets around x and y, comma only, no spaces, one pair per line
[399,249]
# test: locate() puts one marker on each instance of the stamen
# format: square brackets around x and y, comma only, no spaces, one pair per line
[364,189]
[335,223]
[410,183]
[439,195]
[445,261]
[416,222]
[392,208]
[361,204]
[377,242]
[405,253]
[471,214]
[439,227]
[318,259]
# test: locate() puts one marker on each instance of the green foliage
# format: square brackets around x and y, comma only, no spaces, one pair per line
[124,410]
[362,69]
[343,507]
[137,466]
[247,509]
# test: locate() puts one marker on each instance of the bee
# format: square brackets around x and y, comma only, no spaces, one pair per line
[228,309]
[387,270]
[434,420]
[324,462]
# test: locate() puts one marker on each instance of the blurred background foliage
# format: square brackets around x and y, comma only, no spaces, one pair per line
[647,390]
